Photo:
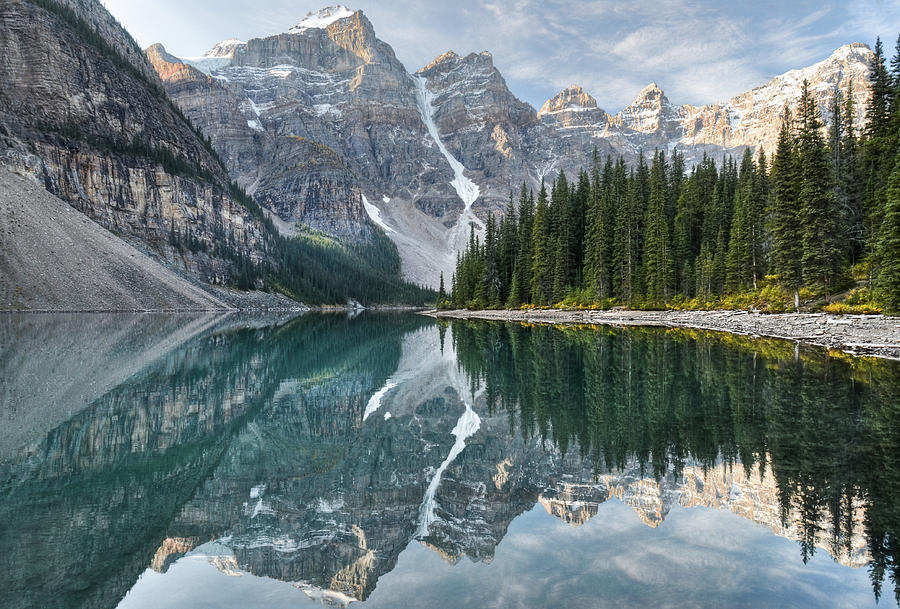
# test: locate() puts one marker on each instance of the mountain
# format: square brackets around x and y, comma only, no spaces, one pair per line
[84,114]
[426,156]
[77,264]
[752,119]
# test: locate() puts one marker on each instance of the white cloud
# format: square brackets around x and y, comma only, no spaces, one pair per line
[698,52]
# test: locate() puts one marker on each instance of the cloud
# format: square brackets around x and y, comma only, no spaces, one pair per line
[698,51]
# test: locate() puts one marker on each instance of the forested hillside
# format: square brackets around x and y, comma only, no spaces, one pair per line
[821,219]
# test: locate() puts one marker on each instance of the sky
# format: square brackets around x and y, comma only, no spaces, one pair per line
[697,51]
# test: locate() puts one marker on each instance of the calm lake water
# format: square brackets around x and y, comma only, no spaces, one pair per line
[390,460]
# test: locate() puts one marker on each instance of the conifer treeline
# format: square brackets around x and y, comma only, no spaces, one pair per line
[825,212]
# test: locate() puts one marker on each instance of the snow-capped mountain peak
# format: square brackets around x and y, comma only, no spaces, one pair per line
[321,19]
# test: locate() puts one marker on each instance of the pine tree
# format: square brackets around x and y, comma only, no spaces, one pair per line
[520,290]
[761,209]
[542,254]
[490,279]
[786,226]
[685,235]
[627,248]
[442,295]
[818,207]
[852,184]
[564,234]
[658,269]
[739,264]
[877,115]
[888,246]
[506,251]
[600,231]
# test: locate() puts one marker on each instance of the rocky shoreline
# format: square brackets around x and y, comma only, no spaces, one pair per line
[871,335]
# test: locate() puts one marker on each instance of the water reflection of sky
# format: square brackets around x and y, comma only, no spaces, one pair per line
[698,557]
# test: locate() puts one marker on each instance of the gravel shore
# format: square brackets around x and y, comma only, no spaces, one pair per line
[873,335]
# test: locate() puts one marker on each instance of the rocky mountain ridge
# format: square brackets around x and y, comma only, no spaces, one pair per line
[330,90]
[83,112]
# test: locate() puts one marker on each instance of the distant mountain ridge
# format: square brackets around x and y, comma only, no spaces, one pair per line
[330,82]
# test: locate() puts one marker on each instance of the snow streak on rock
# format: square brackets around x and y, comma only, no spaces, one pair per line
[467,190]
[466,426]
[375,215]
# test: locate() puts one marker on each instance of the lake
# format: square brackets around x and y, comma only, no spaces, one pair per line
[392,460]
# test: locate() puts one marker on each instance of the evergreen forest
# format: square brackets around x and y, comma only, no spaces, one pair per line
[816,227]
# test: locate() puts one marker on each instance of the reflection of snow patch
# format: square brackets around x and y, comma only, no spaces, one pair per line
[466,426]
[375,215]
[257,491]
[261,508]
[375,401]
[326,597]
[327,507]
[387,416]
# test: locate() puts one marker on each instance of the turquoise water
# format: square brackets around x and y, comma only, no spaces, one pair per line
[394,461]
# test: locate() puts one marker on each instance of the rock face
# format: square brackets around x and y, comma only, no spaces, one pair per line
[76,264]
[326,127]
[298,178]
[83,112]
[752,119]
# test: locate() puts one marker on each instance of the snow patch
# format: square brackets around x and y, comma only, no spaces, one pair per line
[466,426]
[329,598]
[224,49]
[207,65]
[467,190]
[375,215]
[321,19]
[322,109]
[385,198]
[261,508]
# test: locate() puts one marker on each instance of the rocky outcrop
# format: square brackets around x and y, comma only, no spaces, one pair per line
[299,179]
[83,112]
[749,120]
[55,259]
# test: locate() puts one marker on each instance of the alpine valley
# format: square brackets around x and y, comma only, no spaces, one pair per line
[325,127]
[309,163]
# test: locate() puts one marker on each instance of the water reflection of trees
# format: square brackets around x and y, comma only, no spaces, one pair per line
[828,423]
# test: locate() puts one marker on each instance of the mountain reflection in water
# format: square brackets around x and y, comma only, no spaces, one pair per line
[315,458]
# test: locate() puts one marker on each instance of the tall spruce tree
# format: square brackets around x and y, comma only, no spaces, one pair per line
[877,116]
[852,183]
[506,250]
[600,231]
[786,222]
[739,259]
[818,207]
[888,246]
[542,252]
[628,243]
[520,290]
[658,262]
